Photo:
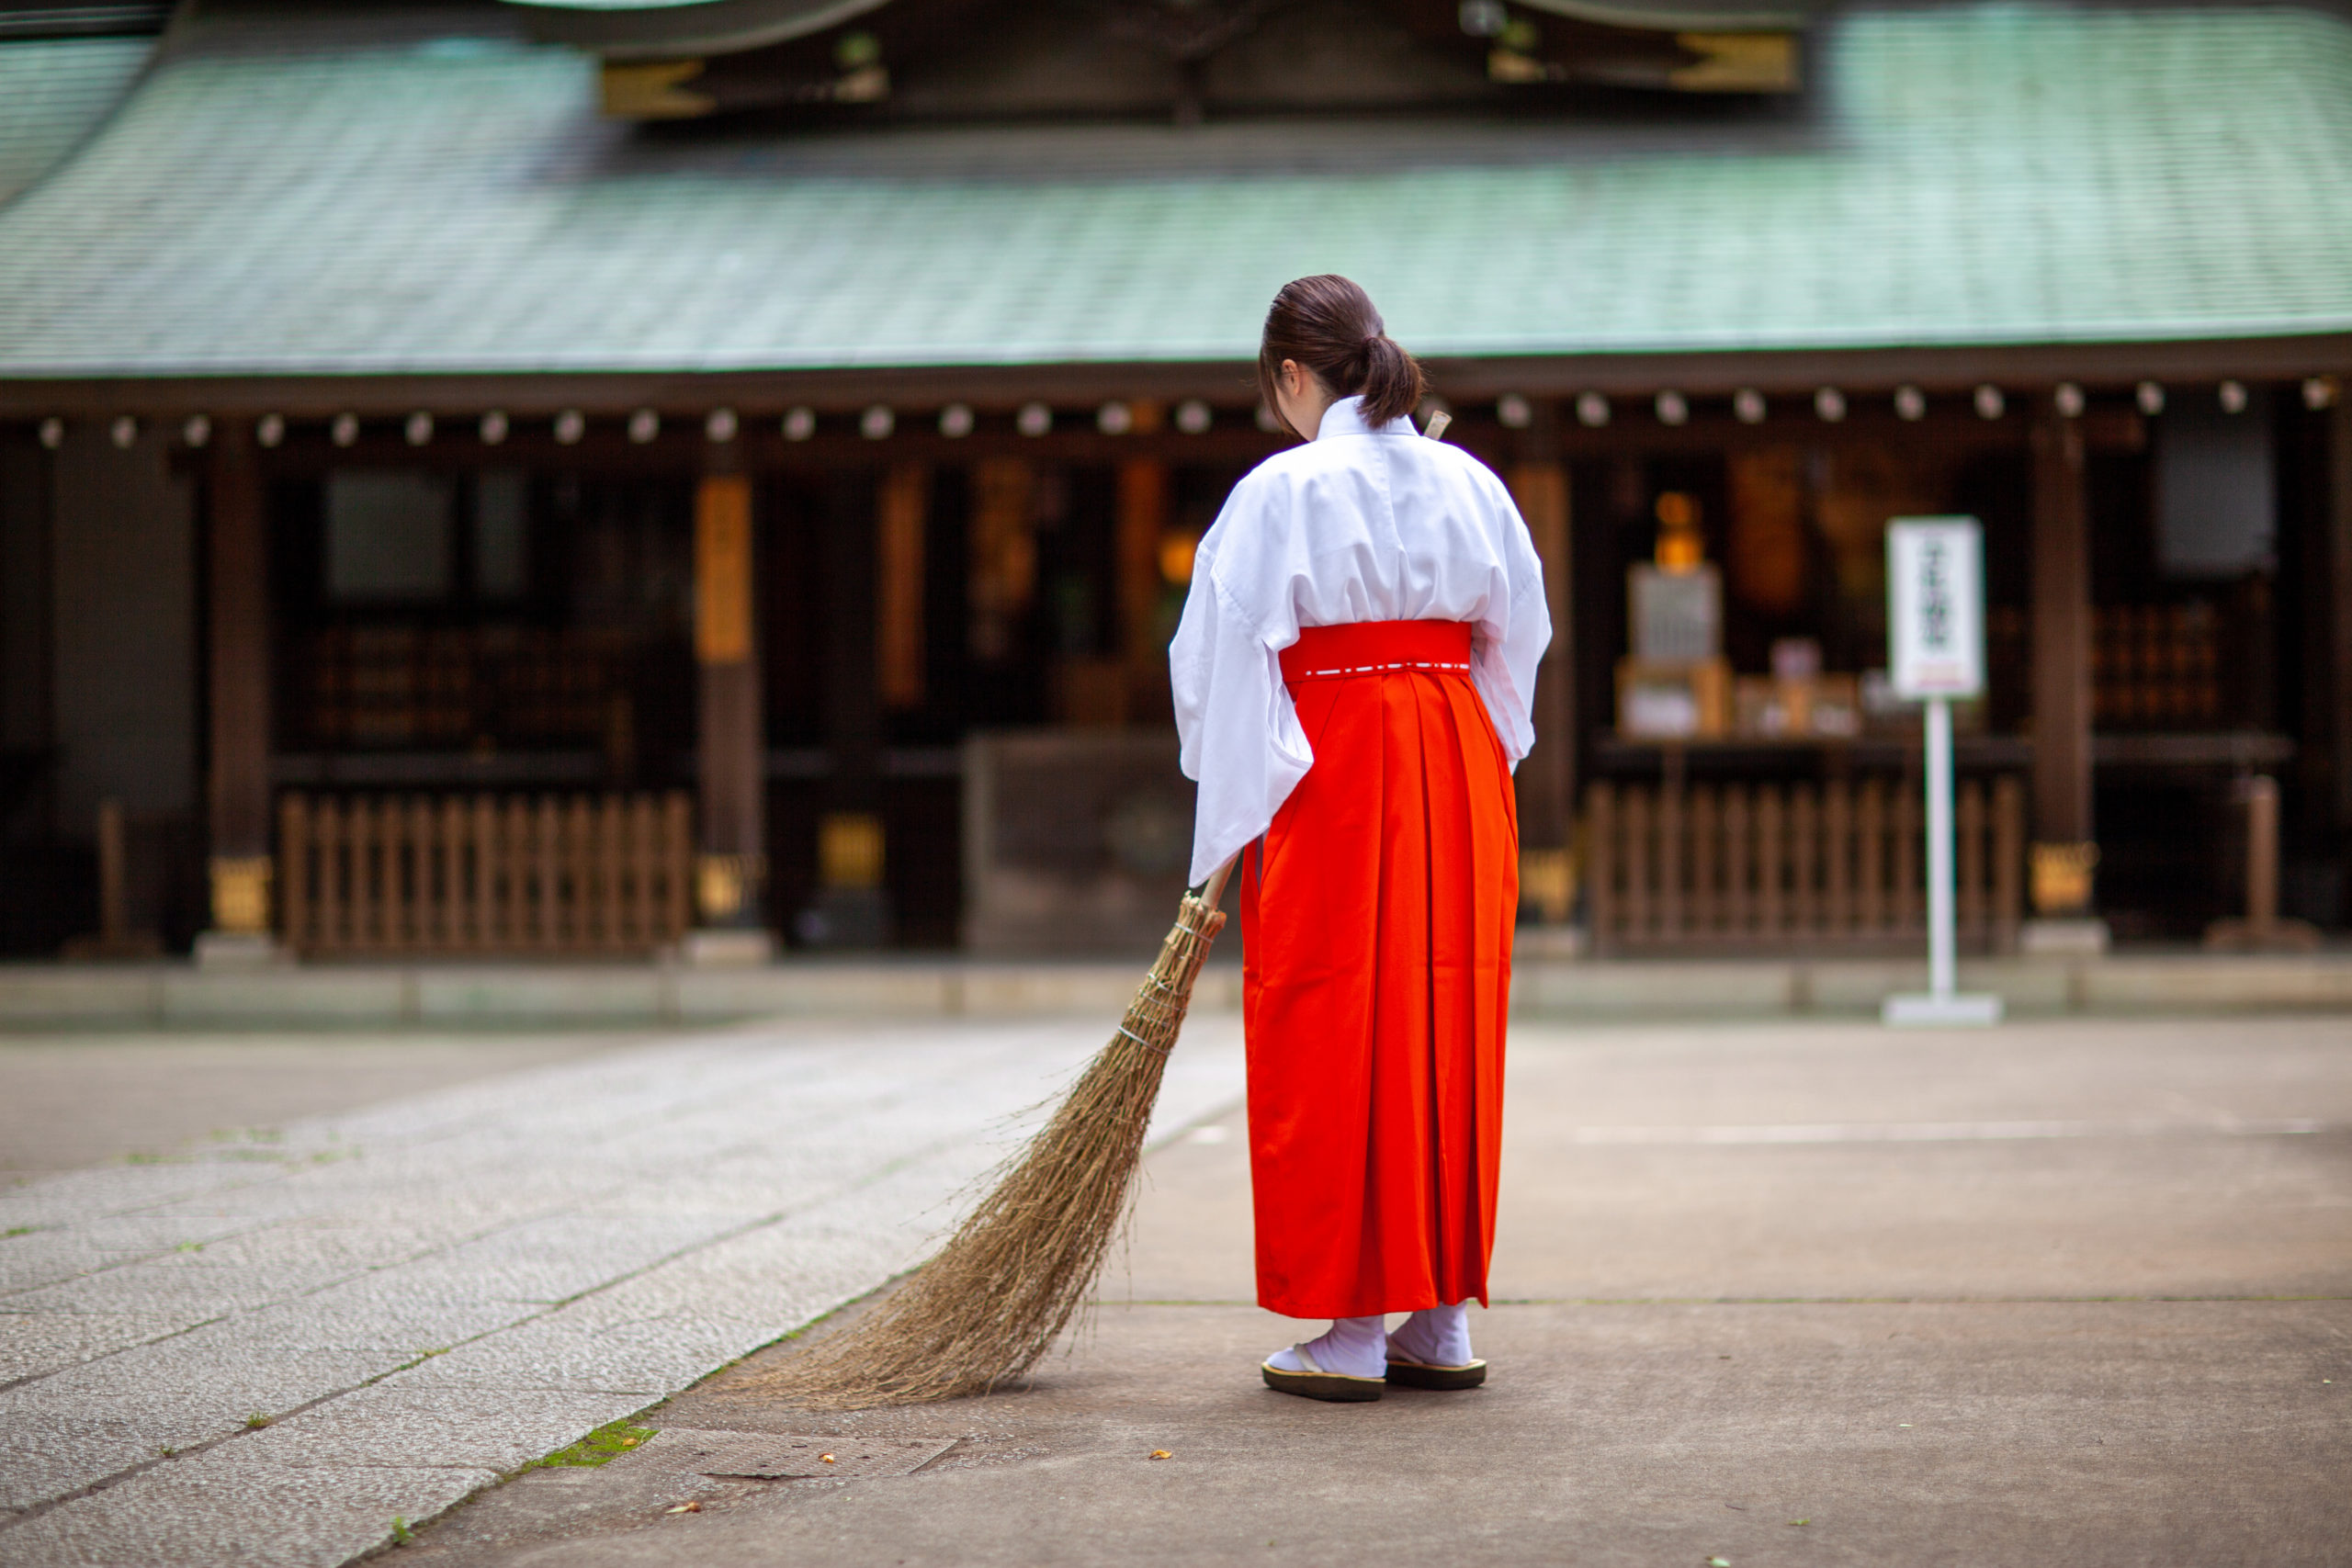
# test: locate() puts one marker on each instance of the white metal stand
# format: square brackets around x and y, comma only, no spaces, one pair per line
[1942,1004]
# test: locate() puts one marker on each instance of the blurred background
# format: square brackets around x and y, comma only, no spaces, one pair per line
[594,479]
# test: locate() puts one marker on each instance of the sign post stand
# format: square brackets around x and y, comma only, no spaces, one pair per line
[1935,593]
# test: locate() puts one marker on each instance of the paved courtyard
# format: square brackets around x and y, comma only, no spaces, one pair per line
[2072,1291]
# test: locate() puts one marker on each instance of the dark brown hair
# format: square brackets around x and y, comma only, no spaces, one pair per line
[1326,324]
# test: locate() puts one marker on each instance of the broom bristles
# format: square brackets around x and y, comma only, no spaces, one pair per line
[997,1294]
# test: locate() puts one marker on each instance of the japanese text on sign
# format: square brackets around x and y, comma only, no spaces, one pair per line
[1935,607]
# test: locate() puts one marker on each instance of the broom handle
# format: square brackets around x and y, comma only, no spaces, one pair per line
[1212,891]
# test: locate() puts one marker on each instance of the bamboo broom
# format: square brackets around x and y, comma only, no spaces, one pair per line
[994,1299]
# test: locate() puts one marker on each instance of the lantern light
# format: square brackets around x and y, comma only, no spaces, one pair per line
[270,429]
[799,424]
[125,431]
[195,430]
[1034,419]
[52,433]
[2068,400]
[1830,404]
[1267,422]
[569,426]
[719,426]
[1193,416]
[2233,394]
[1672,408]
[493,428]
[2150,396]
[644,425]
[1592,409]
[955,421]
[1514,412]
[1114,419]
[1910,404]
[1990,403]
[1748,406]
[877,422]
[345,430]
[418,429]
[2320,393]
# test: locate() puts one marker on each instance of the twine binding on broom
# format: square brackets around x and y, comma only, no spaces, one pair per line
[1015,1274]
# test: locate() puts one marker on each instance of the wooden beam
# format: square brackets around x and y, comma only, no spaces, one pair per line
[2337,678]
[902,512]
[731,862]
[1547,779]
[2062,636]
[237,670]
[756,392]
[1144,502]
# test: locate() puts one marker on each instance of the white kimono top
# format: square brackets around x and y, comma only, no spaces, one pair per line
[1360,523]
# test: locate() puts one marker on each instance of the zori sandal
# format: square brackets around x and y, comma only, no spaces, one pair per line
[1316,1383]
[1421,1374]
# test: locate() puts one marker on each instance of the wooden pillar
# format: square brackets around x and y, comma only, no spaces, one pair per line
[1143,518]
[2336,680]
[2063,851]
[852,908]
[237,787]
[1547,778]
[903,512]
[731,867]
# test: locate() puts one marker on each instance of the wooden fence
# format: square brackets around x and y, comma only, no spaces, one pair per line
[485,875]
[1834,866]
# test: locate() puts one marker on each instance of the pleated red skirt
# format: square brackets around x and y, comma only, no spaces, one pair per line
[1377,917]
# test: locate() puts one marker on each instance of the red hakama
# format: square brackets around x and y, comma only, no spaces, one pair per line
[1377,917]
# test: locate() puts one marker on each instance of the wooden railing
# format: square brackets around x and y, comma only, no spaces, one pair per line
[485,875]
[1829,867]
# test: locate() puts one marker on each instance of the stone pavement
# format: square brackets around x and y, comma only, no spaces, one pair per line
[284,1346]
[2064,1293]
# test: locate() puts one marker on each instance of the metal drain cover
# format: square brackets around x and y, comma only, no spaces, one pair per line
[772,1456]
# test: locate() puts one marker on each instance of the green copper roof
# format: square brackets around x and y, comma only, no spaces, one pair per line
[326,198]
[54,92]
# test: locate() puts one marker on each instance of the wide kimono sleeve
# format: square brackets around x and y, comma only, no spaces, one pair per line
[1510,636]
[1241,736]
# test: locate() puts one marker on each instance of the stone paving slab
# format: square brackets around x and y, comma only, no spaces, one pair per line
[220,1507]
[426,1294]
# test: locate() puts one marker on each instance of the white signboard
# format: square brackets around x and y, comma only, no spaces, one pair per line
[1935,607]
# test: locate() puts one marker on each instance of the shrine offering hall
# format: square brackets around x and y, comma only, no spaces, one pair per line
[517,481]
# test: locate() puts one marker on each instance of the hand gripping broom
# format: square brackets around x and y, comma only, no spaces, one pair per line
[994,1299]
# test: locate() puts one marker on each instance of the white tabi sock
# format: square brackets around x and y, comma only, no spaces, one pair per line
[1352,1347]
[1436,1336]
